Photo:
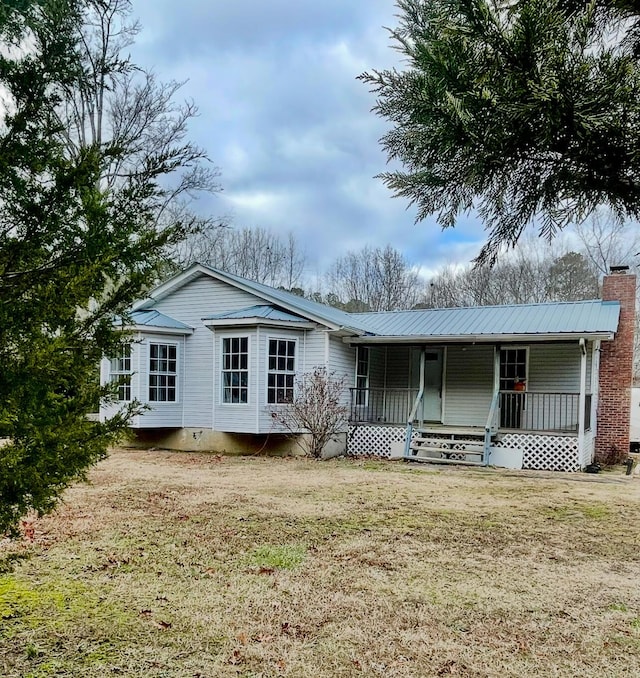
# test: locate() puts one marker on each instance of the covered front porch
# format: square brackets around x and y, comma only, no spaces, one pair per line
[519,405]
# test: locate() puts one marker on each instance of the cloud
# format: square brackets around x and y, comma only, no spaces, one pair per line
[282,114]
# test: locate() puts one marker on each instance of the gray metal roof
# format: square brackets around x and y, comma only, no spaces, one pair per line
[579,317]
[260,311]
[333,316]
[153,318]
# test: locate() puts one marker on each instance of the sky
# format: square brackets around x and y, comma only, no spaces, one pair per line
[283,116]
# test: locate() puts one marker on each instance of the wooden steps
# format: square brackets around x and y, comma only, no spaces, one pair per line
[463,446]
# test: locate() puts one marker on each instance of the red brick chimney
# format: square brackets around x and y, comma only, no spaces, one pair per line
[616,370]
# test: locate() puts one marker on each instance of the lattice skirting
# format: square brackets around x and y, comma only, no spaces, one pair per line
[544,452]
[374,441]
[540,452]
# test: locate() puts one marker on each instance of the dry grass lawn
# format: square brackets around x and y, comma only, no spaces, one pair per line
[186,565]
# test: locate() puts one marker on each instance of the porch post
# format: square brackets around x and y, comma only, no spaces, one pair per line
[414,409]
[582,399]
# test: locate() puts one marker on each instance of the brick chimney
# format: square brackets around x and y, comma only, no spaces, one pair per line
[616,370]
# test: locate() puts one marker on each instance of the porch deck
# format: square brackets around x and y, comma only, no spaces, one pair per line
[530,430]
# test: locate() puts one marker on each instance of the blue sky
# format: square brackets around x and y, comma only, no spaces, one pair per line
[283,116]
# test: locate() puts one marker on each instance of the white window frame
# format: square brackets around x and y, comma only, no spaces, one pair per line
[239,370]
[164,373]
[120,371]
[358,376]
[515,348]
[277,372]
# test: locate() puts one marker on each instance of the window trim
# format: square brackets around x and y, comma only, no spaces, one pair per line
[162,342]
[366,377]
[222,371]
[276,337]
[515,347]
[120,373]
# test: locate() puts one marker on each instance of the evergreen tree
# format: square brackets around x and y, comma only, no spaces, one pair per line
[73,254]
[523,111]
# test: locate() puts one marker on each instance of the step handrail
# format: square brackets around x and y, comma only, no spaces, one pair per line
[489,427]
[414,409]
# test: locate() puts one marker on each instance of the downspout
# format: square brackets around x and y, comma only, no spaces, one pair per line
[414,409]
[582,399]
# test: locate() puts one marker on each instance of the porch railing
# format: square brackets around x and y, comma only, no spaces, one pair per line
[535,411]
[527,411]
[380,405]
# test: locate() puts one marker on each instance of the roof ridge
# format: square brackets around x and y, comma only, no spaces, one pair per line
[478,306]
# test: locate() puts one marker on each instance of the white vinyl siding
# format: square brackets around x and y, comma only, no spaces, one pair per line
[398,372]
[161,414]
[468,385]
[377,362]
[202,297]
[555,368]
[236,417]
[342,363]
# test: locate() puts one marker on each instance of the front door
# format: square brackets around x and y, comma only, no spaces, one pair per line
[432,401]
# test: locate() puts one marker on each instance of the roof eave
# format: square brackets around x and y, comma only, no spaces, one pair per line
[478,338]
[250,322]
[152,329]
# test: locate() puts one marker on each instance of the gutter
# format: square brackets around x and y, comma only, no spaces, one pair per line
[476,338]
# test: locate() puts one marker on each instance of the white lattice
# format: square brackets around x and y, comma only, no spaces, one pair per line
[374,441]
[544,452]
[540,452]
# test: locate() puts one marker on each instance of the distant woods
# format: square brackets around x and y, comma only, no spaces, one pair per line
[383,279]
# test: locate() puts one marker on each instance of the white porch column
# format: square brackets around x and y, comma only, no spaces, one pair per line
[582,398]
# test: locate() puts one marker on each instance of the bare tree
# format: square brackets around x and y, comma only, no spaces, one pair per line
[318,408]
[253,253]
[375,279]
[132,117]
[528,274]
[606,241]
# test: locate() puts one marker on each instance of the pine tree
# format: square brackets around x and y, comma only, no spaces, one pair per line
[73,254]
[525,111]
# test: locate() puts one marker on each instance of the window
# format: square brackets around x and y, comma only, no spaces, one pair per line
[163,369]
[120,372]
[235,370]
[513,376]
[362,375]
[513,368]
[281,375]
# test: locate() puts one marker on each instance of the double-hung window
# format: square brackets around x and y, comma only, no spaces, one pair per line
[362,376]
[235,370]
[163,372]
[282,371]
[120,372]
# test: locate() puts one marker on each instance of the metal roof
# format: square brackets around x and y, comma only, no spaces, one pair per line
[260,311]
[333,316]
[153,318]
[579,317]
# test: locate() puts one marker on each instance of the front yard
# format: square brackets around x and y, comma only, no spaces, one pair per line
[185,565]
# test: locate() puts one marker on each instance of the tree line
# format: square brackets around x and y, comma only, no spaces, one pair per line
[383,279]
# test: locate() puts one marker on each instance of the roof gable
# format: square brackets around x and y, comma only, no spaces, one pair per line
[310,310]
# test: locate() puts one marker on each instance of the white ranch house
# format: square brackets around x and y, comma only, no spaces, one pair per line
[519,386]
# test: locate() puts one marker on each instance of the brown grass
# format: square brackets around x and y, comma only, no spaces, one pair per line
[175,564]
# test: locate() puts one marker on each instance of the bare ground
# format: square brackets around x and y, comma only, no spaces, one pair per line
[175,564]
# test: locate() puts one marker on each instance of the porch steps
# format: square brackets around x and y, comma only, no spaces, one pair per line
[462,446]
